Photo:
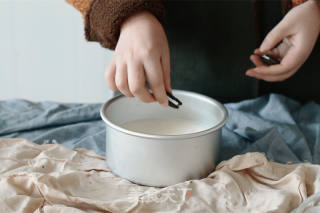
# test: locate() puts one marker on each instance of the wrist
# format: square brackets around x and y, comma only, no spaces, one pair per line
[142,17]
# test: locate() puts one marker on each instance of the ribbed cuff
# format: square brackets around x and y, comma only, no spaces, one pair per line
[105,17]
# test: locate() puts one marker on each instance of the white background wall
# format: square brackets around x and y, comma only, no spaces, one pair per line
[44,55]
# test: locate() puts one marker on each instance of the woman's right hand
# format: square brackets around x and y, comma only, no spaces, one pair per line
[142,54]
[298,31]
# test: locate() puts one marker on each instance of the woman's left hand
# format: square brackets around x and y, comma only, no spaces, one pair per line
[298,31]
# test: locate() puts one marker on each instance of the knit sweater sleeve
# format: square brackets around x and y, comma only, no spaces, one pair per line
[103,18]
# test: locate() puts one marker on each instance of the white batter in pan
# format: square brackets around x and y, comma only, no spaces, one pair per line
[164,126]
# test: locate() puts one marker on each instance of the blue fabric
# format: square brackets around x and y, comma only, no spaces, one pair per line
[283,129]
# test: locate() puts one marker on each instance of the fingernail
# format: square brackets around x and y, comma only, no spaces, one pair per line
[257,71]
[262,49]
[165,104]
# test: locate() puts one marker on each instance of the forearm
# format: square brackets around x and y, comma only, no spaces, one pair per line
[103,18]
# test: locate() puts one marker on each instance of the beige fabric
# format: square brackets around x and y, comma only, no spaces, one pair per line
[52,178]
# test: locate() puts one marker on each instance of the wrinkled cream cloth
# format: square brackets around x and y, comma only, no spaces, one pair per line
[52,178]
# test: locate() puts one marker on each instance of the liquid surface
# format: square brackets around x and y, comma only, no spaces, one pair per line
[164,126]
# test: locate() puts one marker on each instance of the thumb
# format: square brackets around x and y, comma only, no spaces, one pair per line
[277,34]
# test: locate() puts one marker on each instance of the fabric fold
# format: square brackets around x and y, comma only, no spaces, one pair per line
[53,178]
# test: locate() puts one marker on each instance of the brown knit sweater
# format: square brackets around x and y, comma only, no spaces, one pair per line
[103,18]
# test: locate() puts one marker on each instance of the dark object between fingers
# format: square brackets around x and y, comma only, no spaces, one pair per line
[268,59]
[171,104]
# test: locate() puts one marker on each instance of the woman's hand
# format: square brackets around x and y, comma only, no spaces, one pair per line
[298,32]
[142,54]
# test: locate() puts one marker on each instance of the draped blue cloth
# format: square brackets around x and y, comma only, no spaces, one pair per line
[285,130]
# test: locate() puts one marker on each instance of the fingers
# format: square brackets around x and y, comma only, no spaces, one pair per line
[276,35]
[289,65]
[121,79]
[110,75]
[271,73]
[281,50]
[165,61]
[155,79]
[130,79]
[137,81]
[271,78]
[278,69]
[256,60]
[291,61]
